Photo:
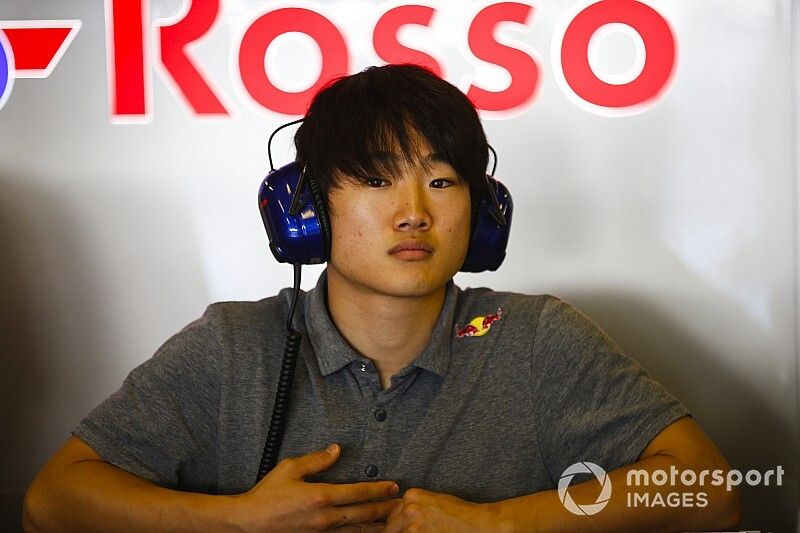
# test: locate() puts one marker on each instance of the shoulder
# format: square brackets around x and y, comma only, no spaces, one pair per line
[520,309]
[227,331]
[544,320]
[228,318]
[561,323]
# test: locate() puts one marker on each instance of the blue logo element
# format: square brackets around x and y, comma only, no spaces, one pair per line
[6,69]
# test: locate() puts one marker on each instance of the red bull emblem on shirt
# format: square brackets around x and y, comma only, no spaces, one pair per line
[479,325]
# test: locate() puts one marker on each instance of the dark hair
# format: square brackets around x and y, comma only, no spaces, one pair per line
[378,110]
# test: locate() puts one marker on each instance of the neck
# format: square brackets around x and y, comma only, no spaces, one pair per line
[392,331]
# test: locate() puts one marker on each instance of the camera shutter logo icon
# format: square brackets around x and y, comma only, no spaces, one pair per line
[584,467]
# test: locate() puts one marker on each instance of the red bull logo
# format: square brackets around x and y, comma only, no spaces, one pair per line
[479,325]
[32,49]
[137,47]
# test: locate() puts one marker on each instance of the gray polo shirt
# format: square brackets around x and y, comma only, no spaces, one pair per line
[490,415]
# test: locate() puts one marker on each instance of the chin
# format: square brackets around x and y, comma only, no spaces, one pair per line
[411,279]
[411,284]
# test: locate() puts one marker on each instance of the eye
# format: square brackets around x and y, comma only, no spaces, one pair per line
[442,183]
[376,182]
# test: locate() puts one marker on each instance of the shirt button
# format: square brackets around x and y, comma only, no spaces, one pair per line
[380,415]
[372,471]
[362,367]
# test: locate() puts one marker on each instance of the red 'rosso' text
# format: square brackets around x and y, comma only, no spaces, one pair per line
[130,76]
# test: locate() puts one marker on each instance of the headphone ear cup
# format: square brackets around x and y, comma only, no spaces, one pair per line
[321,209]
[487,247]
[301,237]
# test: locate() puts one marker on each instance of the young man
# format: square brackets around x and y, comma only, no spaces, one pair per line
[426,429]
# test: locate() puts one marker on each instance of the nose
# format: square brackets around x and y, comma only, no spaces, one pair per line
[412,212]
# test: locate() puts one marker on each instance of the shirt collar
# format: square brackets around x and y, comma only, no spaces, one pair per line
[333,352]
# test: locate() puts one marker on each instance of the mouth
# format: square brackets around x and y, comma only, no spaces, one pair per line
[411,250]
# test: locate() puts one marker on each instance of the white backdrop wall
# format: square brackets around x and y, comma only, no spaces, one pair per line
[674,228]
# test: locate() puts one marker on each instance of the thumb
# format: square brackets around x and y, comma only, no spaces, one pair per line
[314,462]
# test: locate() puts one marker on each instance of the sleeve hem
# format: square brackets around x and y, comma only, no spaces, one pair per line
[649,429]
[116,456]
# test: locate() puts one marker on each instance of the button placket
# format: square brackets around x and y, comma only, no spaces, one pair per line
[376,441]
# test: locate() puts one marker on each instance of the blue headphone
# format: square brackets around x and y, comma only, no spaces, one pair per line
[296,219]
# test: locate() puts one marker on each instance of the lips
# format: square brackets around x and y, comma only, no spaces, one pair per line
[411,245]
[411,250]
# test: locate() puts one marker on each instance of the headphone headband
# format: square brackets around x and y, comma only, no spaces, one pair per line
[300,233]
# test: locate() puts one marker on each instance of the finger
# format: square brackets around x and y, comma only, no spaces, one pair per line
[360,528]
[364,513]
[409,514]
[417,495]
[396,523]
[395,512]
[312,463]
[365,491]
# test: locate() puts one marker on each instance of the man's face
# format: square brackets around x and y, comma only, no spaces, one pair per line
[404,235]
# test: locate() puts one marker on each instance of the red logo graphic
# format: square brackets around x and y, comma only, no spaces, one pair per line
[479,325]
[32,49]
[137,47]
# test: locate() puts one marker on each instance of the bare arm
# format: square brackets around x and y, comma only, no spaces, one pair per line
[682,444]
[77,491]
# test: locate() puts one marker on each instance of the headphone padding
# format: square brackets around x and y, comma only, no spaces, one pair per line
[322,214]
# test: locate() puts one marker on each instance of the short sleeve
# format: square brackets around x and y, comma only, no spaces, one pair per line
[593,403]
[161,425]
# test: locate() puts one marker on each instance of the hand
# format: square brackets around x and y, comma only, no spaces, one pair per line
[282,501]
[422,510]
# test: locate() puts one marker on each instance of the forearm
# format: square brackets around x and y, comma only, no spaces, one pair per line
[544,511]
[96,496]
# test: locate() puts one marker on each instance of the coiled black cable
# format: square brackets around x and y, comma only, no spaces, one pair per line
[280,410]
